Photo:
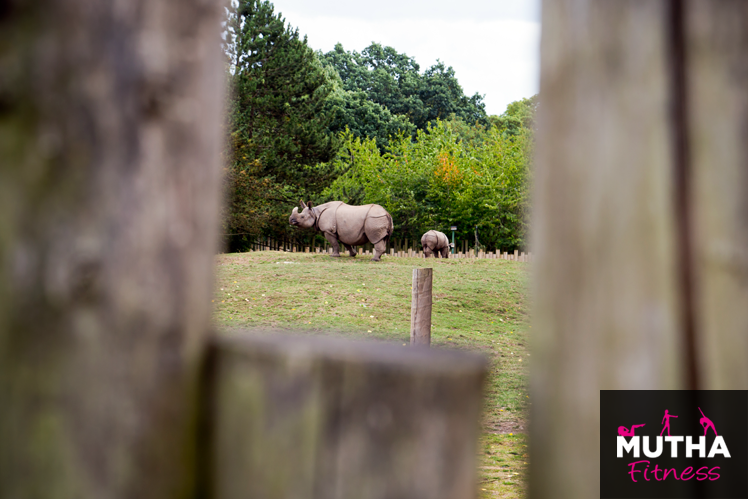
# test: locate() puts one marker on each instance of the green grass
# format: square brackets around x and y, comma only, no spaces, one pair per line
[479,305]
[503,465]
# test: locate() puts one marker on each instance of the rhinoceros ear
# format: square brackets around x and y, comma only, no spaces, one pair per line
[301,202]
[295,211]
[309,204]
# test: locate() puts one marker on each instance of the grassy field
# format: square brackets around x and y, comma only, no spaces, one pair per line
[479,305]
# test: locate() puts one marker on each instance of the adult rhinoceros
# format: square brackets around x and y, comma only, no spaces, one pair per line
[351,225]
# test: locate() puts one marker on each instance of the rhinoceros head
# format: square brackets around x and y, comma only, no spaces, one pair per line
[303,219]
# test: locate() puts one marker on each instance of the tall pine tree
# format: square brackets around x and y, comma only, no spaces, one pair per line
[279,130]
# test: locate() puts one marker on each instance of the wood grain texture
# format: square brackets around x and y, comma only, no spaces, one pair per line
[606,306]
[110,119]
[321,418]
[717,73]
[420,307]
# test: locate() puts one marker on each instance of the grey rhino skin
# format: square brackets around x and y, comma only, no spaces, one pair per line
[435,243]
[352,225]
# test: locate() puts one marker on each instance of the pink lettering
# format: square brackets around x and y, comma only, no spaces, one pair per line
[700,475]
[655,473]
[671,470]
[634,470]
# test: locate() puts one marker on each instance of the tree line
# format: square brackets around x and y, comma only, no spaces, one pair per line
[363,127]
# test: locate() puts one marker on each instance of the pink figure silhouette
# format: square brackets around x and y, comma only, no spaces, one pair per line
[707,423]
[622,431]
[666,422]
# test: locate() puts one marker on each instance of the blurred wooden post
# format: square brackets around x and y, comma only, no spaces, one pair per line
[717,72]
[639,252]
[420,307]
[297,417]
[110,138]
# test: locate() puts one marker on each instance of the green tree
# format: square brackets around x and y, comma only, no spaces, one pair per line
[279,130]
[354,111]
[442,179]
[442,97]
[519,116]
[394,81]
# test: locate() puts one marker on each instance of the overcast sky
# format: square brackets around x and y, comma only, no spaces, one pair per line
[492,44]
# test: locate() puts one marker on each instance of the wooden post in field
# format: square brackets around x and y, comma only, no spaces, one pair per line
[297,417]
[420,307]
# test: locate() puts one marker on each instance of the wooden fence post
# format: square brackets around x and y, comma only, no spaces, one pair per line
[109,214]
[716,72]
[420,307]
[297,417]
[652,238]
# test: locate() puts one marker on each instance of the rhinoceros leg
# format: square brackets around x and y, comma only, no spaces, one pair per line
[379,249]
[352,250]
[334,243]
[445,252]
[427,251]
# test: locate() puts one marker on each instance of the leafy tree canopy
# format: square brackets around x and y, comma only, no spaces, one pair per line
[519,115]
[354,111]
[394,81]
[447,176]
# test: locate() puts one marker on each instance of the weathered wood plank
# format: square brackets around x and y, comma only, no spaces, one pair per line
[717,78]
[607,309]
[110,137]
[333,419]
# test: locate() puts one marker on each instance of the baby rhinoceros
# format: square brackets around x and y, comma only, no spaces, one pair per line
[351,225]
[435,243]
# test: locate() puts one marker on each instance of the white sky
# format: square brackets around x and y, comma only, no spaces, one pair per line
[493,45]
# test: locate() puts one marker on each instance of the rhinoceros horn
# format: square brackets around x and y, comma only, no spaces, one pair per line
[302,204]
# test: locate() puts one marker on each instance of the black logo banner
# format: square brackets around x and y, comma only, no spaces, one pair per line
[673,444]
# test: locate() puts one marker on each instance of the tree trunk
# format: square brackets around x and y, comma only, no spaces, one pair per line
[109,195]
